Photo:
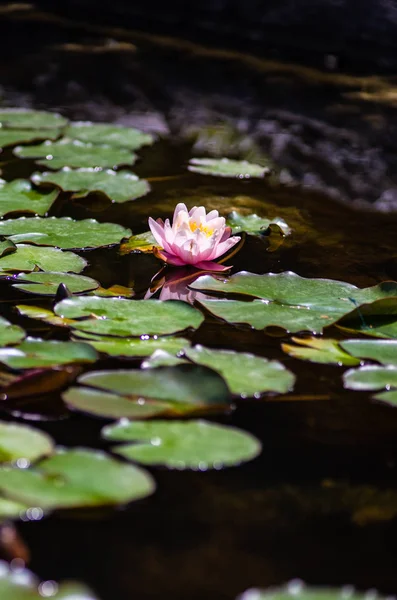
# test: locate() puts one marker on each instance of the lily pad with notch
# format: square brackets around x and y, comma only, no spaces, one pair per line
[194,444]
[120,186]
[376,319]
[63,232]
[19,196]
[225,167]
[28,258]
[113,135]
[34,353]
[61,481]
[47,283]
[128,318]
[73,153]
[142,393]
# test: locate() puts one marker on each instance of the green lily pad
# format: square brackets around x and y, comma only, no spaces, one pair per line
[20,442]
[42,314]
[128,318]
[28,258]
[20,118]
[142,242]
[196,444]
[254,224]
[63,232]
[389,397]
[7,247]
[245,374]
[73,153]
[10,334]
[11,137]
[297,590]
[61,481]
[162,358]
[120,186]
[113,135]
[33,353]
[47,283]
[371,377]
[10,510]
[112,406]
[133,346]
[320,350]
[377,319]
[287,300]
[225,167]
[18,196]
[184,388]
[383,351]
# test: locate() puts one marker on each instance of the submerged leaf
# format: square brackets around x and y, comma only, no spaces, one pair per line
[33,353]
[105,133]
[23,443]
[29,258]
[63,232]
[73,153]
[47,283]
[21,118]
[198,445]
[61,481]
[120,186]
[225,167]
[127,318]
[319,350]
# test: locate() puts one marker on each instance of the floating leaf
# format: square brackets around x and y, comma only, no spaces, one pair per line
[378,318]
[7,247]
[297,590]
[254,224]
[127,318]
[162,358]
[10,510]
[225,167]
[113,135]
[11,137]
[319,350]
[112,406]
[61,481]
[18,196]
[42,314]
[114,291]
[20,118]
[143,242]
[73,153]
[10,334]
[288,300]
[371,377]
[120,186]
[383,351]
[47,283]
[193,444]
[23,442]
[63,232]
[389,397]
[33,353]
[28,258]
[245,374]
[133,346]
[182,389]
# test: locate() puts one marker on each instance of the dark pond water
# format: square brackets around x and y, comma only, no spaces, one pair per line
[318,503]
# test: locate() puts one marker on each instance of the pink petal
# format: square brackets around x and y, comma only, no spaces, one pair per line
[157,229]
[179,208]
[213,214]
[224,247]
[207,265]
[226,234]
[197,213]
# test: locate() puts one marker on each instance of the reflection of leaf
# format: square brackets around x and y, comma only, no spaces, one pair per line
[105,133]
[199,445]
[23,442]
[73,153]
[18,196]
[63,232]
[319,350]
[245,374]
[28,258]
[225,167]
[127,318]
[120,186]
[47,283]
[33,353]
[61,481]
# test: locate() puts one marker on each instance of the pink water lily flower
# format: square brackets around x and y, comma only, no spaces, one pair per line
[194,238]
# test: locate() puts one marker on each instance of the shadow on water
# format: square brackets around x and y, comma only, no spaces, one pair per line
[320,501]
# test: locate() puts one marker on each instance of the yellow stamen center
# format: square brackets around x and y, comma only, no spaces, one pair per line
[203,228]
